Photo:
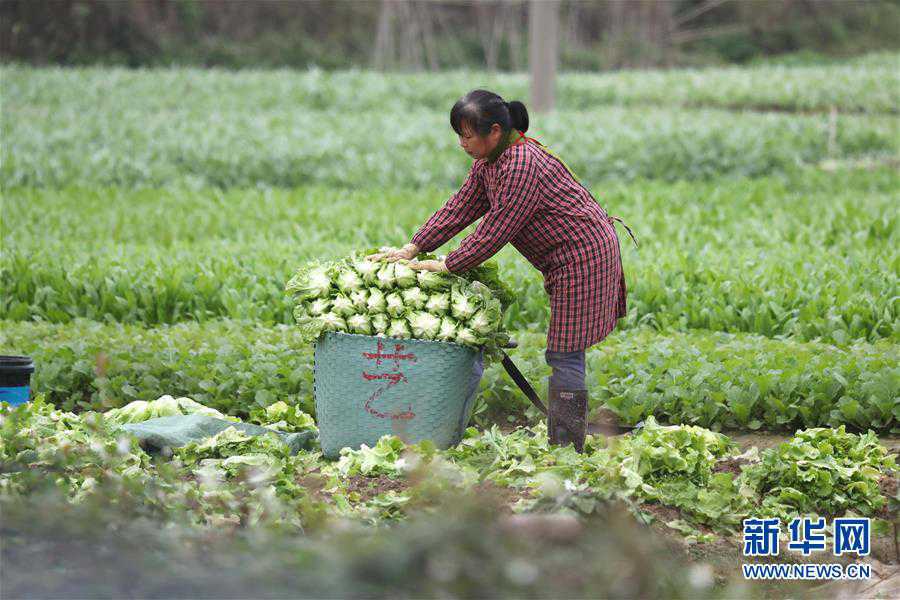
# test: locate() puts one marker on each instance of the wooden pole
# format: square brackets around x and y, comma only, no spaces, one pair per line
[543,51]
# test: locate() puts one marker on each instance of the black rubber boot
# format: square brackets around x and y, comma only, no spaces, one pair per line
[567,417]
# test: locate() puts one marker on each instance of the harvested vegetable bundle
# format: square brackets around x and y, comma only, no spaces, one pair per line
[355,295]
[164,406]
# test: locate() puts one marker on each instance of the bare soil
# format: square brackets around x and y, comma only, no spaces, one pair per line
[313,482]
[369,487]
[888,486]
[730,465]
[500,496]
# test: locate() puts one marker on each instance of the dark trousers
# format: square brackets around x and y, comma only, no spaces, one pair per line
[568,370]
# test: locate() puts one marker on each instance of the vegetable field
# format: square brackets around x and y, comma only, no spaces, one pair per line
[151,220]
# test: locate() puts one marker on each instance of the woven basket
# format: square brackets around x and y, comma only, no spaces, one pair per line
[367,387]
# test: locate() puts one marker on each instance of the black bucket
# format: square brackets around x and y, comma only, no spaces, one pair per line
[15,379]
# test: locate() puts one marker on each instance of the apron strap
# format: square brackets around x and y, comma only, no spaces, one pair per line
[609,218]
[612,221]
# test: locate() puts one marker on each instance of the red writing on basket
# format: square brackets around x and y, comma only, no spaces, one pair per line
[392,378]
[396,355]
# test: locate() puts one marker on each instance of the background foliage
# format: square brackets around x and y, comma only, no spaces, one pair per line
[438,35]
[152,218]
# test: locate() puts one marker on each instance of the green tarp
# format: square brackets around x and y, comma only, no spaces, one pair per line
[177,431]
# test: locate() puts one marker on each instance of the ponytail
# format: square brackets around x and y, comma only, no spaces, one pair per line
[519,115]
[480,109]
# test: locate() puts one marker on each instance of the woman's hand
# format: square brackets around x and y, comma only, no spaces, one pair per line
[407,252]
[435,266]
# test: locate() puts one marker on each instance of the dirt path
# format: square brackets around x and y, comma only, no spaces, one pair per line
[744,439]
[884,583]
[763,440]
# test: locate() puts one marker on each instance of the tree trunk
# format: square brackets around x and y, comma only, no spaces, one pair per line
[457,56]
[486,16]
[543,50]
[513,37]
[664,27]
[411,48]
[424,13]
[384,37]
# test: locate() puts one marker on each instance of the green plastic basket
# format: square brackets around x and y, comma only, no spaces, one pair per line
[367,387]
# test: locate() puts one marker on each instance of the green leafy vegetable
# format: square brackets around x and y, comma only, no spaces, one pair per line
[414,298]
[320,306]
[467,337]
[463,303]
[361,324]
[310,282]
[380,323]
[399,328]
[424,325]
[398,294]
[395,305]
[438,303]
[164,406]
[281,416]
[449,330]
[404,276]
[348,280]
[360,299]
[342,306]
[376,302]
[385,278]
[821,470]
[429,280]
[368,270]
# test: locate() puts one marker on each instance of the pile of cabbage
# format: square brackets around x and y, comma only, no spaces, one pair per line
[390,299]
[164,406]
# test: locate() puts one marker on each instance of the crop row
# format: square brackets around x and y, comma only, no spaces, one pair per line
[810,207]
[752,256]
[864,85]
[192,144]
[838,299]
[712,379]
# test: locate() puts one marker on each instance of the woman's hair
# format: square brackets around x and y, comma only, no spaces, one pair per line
[480,109]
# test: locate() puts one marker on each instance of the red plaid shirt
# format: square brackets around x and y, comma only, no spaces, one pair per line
[528,198]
